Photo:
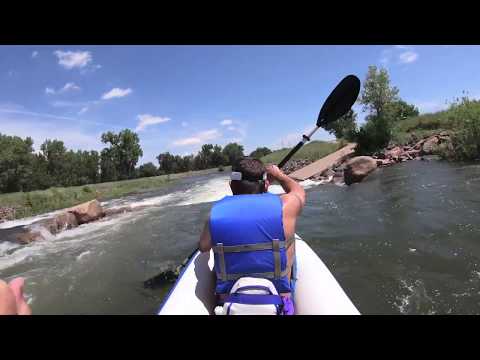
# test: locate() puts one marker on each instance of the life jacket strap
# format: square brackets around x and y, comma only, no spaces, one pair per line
[253,247]
[276,258]
[264,275]
[223,268]
[252,299]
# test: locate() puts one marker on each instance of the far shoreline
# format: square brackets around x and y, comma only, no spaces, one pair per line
[21,205]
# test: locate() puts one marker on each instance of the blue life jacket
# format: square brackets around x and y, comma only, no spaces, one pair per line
[248,240]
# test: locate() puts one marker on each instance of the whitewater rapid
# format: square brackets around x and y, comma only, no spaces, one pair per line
[211,190]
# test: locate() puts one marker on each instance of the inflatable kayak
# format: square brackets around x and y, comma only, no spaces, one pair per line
[317,292]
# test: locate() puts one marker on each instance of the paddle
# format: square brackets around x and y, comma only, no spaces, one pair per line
[337,104]
[168,276]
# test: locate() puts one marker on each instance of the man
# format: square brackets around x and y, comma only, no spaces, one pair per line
[12,301]
[253,232]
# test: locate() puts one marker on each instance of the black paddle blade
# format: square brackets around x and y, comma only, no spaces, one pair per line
[340,100]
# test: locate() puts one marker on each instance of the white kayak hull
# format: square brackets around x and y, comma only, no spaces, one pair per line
[317,292]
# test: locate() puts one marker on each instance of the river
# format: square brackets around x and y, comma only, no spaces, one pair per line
[405,241]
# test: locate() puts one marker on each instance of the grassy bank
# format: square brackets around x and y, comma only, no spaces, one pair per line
[42,201]
[312,151]
[461,120]
[423,125]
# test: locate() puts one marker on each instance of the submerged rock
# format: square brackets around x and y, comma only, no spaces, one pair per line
[118,210]
[27,236]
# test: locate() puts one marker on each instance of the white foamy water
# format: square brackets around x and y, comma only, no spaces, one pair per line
[83,254]
[28,220]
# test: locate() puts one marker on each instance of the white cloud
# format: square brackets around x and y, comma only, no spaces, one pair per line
[73,59]
[116,93]
[184,124]
[408,57]
[226,122]
[404,53]
[145,120]
[83,110]
[199,138]
[240,128]
[34,54]
[70,86]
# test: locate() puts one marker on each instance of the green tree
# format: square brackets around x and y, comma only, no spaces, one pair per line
[233,152]
[377,97]
[108,168]
[373,135]
[54,152]
[16,161]
[345,127]
[260,152]
[206,156]
[167,163]
[125,150]
[377,92]
[147,170]
[400,110]
[187,162]
[217,158]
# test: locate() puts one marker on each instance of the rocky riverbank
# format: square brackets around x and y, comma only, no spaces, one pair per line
[354,169]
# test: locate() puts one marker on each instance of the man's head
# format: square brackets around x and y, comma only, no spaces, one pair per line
[251,177]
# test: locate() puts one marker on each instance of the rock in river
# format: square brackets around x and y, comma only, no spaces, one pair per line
[357,168]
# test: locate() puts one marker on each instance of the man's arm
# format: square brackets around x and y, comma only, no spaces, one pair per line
[205,243]
[295,194]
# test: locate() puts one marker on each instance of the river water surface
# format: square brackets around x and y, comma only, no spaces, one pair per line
[405,241]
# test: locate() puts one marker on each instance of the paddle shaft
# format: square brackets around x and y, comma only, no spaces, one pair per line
[305,139]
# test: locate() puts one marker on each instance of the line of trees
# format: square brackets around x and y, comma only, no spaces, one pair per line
[23,169]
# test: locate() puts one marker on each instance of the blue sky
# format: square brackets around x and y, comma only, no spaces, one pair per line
[179,97]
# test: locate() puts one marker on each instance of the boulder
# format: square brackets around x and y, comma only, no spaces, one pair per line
[394,153]
[28,236]
[87,212]
[419,144]
[327,173]
[430,145]
[385,162]
[66,220]
[49,224]
[357,168]
[413,153]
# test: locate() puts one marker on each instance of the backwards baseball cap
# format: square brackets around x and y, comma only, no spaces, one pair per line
[249,169]
[236,175]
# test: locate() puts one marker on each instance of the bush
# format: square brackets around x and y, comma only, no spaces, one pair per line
[374,135]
